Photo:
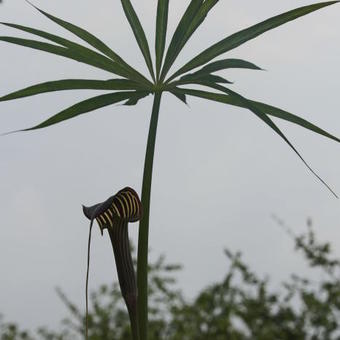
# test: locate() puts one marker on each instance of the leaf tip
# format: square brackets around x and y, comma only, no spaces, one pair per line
[10,133]
[31,4]
[35,7]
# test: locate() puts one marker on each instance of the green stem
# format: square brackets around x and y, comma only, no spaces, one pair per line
[143,240]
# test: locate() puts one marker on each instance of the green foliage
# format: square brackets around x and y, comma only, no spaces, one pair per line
[242,306]
[103,57]
[10,331]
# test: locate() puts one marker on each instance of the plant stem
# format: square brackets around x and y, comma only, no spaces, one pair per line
[143,239]
[126,273]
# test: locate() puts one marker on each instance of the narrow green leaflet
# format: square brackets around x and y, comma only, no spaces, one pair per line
[190,25]
[267,109]
[96,43]
[139,34]
[72,84]
[181,96]
[263,116]
[206,7]
[79,49]
[189,78]
[247,34]
[95,59]
[258,112]
[179,35]
[161,29]
[227,64]
[206,71]
[138,96]
[85,106]
[282,114]
[83,34]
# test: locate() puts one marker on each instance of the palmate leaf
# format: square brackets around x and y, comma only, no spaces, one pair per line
[96,43]
[90,58]
[139,34]
[161,29]
[247,34]
[88,105]
[257,110]
[73,84]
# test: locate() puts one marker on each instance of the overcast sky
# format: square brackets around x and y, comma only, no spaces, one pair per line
[219,172]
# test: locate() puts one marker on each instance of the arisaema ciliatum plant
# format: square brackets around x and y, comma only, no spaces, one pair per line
[129,86]
[114,214]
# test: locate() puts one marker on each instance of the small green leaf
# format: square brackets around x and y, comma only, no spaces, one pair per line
[87,105]
[161,28]
[72,84]
[89,57]
[138,96]
[177,40]
[247,34]
[182,97]
[139,34]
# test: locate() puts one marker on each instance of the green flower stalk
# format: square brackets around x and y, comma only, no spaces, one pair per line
[114,215]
